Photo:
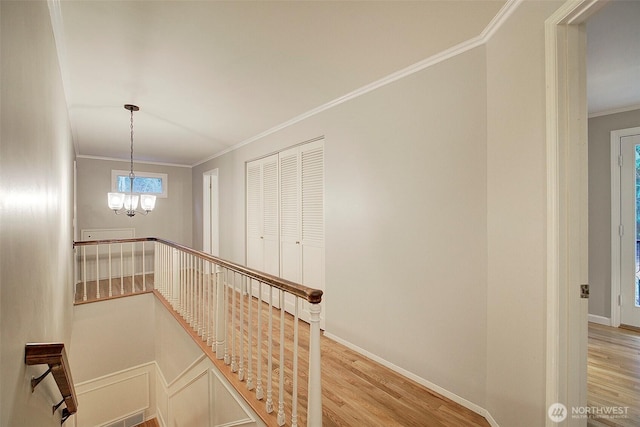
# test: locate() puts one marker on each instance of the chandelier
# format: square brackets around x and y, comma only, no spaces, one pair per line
[128,202]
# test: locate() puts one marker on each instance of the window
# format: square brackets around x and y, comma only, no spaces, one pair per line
[145,182]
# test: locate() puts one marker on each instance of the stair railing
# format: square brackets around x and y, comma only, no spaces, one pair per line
[250,321]
[53,355]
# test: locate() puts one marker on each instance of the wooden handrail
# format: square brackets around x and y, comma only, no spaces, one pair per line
[314,296]
[53,354]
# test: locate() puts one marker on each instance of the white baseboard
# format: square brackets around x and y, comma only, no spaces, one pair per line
[431,386]
[601,320]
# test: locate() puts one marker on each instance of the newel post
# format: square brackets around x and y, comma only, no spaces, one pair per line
[314,408]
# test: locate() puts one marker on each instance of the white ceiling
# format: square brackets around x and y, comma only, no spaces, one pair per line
[209,75]
[613,57]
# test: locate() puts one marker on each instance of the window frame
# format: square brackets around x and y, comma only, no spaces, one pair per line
[163,176]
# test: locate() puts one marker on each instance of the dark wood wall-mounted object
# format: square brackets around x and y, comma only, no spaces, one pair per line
[53,355]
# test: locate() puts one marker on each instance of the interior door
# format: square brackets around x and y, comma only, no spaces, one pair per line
[630,241]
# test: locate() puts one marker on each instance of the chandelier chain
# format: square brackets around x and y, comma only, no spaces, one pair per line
[131,174]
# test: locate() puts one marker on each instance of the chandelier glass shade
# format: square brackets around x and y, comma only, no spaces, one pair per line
[128,202]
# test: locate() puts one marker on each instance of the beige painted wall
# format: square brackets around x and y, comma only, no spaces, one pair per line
[111,336]
[36,183]
[436,201]
[171,218]
[600,206]
[405,217]
[516,147]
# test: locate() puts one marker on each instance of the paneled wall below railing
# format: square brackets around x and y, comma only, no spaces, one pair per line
[270,355]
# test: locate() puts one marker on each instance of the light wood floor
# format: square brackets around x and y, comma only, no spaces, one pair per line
[356,391]
[613,378]
[149,423]
[117,287]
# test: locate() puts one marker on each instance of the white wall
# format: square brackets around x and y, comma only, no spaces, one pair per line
[516,186]
[405,216]
[132,353]
[600,206]
[112,335]
[36,184]
[171,218]
[435,218]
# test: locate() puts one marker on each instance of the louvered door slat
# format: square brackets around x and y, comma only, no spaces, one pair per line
[312,168]
[254,208]
[289,198]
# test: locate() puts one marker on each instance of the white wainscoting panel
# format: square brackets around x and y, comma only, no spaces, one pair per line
[114,397]
[201,396]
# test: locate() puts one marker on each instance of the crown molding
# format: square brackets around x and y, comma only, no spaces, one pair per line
[614,111]
[503,14]
[113,159]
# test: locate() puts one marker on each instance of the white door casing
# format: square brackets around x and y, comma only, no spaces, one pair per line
[210,213]
[567,210]
[623,310]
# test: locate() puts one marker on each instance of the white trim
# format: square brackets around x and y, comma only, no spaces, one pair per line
[211,212]
[184,373]
[242,403]
[196,377]
[428,384]
[565,342]
[615,111]
[615,220]
[600,320]
[113,159]
[503,14]
[107,376]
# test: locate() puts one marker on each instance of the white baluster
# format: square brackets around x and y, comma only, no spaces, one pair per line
[234,363]
[183,288]
[241,364]
[294,393]
[197,324]
[191,289]
[220,314]
[97,272]
[109,251]
[269,403]
[201,324]
[225,286]
[175,277]
[84,272]
[144,270]
[133,267]
[281,416]
[209,304]
[121,269]
[314,404]
[259,391]
[250,384]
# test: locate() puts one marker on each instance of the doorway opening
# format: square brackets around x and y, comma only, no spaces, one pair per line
[625,211]
[210,213]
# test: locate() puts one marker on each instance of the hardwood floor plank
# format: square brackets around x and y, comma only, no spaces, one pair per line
[613,375]
[356,390]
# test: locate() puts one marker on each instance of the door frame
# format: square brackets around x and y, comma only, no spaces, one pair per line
[567,210]
[615,221]
[211,212]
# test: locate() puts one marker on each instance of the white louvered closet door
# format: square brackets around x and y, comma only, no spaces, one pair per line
[290,247]
[312,214]
[302,216]
[262,215]
[255,258]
